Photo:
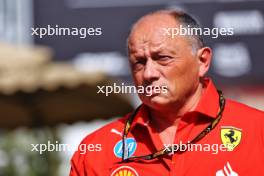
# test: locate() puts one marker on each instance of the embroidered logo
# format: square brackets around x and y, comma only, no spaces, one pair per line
[124,171]
[227,171]
[131,146]
[231,137]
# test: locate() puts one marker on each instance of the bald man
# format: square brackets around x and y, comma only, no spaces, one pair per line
[189,129]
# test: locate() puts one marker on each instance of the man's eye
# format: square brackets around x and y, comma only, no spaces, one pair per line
[164,58]
[138,64]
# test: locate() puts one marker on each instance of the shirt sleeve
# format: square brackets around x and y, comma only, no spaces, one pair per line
[77,165]
[81,162]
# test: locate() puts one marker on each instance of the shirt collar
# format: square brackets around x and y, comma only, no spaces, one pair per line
[142,117]
[208,105]
[209,102]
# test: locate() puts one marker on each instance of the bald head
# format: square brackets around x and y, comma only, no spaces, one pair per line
[164,19]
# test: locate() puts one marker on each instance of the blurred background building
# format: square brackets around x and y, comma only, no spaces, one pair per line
[48,85]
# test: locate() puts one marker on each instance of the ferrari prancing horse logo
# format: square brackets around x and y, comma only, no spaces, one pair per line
[231,137]
[125,171]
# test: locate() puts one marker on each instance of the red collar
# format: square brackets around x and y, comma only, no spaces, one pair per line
[208,105]
[209,102]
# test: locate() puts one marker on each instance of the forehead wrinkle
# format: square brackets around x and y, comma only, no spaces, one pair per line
[155,48]
[148,33]
[137,48]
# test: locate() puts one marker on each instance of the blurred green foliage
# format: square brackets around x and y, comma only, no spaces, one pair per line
[17,157]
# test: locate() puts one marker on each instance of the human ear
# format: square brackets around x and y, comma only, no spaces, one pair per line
[204,56]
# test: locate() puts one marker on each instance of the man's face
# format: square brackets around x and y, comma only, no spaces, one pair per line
[157,59]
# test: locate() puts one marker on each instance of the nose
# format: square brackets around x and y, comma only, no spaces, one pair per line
[150,71]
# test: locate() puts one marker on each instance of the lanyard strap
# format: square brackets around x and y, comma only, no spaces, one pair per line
[168,150]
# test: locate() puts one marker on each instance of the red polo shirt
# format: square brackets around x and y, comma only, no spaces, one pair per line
[241,129]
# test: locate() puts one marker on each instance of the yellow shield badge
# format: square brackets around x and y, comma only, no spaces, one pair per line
[231,137]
